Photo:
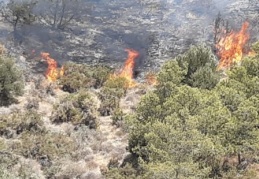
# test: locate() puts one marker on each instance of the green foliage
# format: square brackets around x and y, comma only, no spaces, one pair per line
[117,117]
[180,131]
[2,145]
[77,76]
[49,145]
[230,97]
[11,83]
[195,58]
[101,74]
[255,47]
[7,160]
[121,173]
[76,108]
[204,78]
[196,68]
[19,123]
[171,72]
[110,94]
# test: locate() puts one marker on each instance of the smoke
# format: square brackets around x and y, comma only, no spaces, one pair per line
[158,29]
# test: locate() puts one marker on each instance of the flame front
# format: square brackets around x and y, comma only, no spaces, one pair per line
[231,47]
[127,71]
[52,72]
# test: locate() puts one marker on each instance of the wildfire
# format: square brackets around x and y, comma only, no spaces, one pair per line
[52,72]
[127,71]
[231,47]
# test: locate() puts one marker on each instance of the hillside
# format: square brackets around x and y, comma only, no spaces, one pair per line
[94,89]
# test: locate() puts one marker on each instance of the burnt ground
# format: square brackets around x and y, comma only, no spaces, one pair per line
[159,30]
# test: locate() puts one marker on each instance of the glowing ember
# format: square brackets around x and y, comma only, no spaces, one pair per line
[127,71]
[231,47]
[52,72]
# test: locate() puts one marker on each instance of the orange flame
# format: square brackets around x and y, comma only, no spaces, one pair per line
[127,71]
[231,47]
[52,72]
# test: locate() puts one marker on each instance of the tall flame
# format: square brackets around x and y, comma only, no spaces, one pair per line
[52,72]
[231,47]
[127,71]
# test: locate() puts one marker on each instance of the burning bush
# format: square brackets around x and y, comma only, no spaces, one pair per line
[76,108]
[231,47]
[11,83]
[127,71]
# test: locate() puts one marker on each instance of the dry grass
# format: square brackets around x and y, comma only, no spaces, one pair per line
[93,148]
[2,49]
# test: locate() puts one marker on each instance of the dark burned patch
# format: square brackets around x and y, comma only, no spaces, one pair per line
[157,31]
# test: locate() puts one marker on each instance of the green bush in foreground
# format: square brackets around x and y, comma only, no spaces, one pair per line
[11,83]
[111,93]
[76,108]
[79,76]
[191,127]
[18,123]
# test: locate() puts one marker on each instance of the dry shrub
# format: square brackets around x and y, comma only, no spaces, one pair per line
[2,49]
[111,93]
[12,166]
[32,104]
[45,147]
[73,170]
[78,109]
[17,123]
[78,76]
[92,175]
[117,117]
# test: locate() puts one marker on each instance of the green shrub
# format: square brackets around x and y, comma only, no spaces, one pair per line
[45,147]
[17,123]
[111,93]
[77,76]
[117,117]
[7,162]
[11,83]
[100,74]
[76,108]
[196,68]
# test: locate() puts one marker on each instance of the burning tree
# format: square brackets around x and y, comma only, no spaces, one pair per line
[52,73]
[231,47]
[128,70]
